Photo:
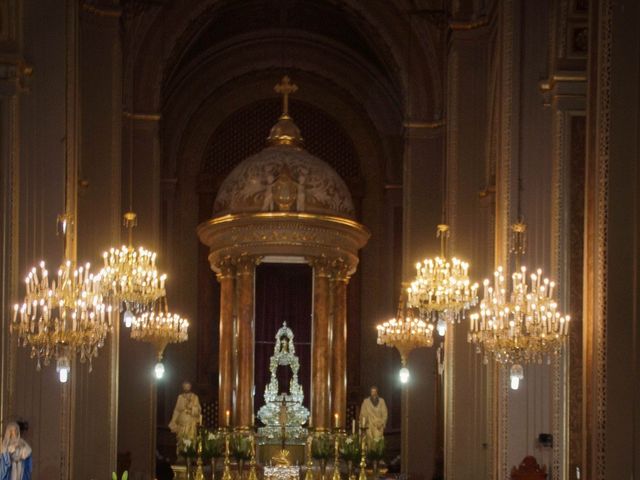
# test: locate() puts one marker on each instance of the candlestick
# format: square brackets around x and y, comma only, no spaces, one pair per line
[226,474]
[309,470]
[363,453]
[336,455]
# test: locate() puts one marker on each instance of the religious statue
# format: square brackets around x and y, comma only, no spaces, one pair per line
[283,413]
[186,415]
[373,414]
[15,455]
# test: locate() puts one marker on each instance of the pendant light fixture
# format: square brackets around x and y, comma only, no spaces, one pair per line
[442,292]
[406,332]
[523,325]
[64,314]
[130,278]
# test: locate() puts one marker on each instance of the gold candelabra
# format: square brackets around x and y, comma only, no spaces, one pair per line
[226,473]
[160,328]
[309,473]
[521,326]
[405,332]
[442,291]
[336,455]
[130,277]
[62,316]
[253,470]
[363,453]
[199,469]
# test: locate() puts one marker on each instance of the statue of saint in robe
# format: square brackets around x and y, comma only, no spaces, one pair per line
[186,416]
[373,413]
[15,455]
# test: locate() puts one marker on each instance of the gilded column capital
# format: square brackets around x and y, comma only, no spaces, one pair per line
[341,270]
[322,266]
[246,264]
[226,268]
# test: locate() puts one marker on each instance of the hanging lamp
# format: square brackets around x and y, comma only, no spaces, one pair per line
[523,325]
[405,332]
[63,314]
[442,292]
[132,279]
[129,276]
[160,328]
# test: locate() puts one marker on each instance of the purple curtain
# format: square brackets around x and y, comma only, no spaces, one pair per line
[284,292]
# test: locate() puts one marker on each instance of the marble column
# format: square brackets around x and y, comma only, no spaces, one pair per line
[245,364]
[226,278]
[320,345]
[339,345]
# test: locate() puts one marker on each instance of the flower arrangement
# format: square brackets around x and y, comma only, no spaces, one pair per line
[187,448]
[350,448]
[321,446]
[375,449]
[240,446]
[212,444]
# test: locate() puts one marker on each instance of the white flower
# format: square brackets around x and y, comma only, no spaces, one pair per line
[349,440]
[186,442]
[210,436]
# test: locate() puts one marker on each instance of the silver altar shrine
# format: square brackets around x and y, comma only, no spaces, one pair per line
[283,414]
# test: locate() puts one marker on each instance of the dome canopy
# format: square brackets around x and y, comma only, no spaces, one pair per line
[284,177]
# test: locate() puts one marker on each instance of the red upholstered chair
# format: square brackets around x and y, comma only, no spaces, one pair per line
[529,470]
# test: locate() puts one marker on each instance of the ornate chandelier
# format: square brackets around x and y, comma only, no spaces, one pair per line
[160,328]
[62,316]
[405,332]
[130,277]
[521,326]
[442,291]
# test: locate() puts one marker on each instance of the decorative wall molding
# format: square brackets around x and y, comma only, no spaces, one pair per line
[598,407]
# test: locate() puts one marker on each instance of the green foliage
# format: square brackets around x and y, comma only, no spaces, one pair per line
[321,446]
[125,476]
[187,448]
[240,446]
[212,444]
[375,449]
[350,448]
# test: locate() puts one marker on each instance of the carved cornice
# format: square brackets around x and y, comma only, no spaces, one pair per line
[283,233]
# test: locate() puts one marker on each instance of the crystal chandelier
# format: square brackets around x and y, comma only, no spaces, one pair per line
[159,328]
[405,332]
[62,316]
[521,326]
[442,291]
[130,277]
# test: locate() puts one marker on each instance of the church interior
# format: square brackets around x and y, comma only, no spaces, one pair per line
[299,202]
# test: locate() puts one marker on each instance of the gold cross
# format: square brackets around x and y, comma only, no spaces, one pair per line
[286,88]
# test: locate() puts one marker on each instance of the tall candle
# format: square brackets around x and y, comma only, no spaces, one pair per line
[353,426]
[227,418]
[336,422]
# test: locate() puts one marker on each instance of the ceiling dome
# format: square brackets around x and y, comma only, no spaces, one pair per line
[284,177]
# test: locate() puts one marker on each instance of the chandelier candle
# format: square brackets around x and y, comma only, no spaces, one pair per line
[442,291]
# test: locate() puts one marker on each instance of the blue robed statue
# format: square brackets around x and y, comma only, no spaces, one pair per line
[15,456]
